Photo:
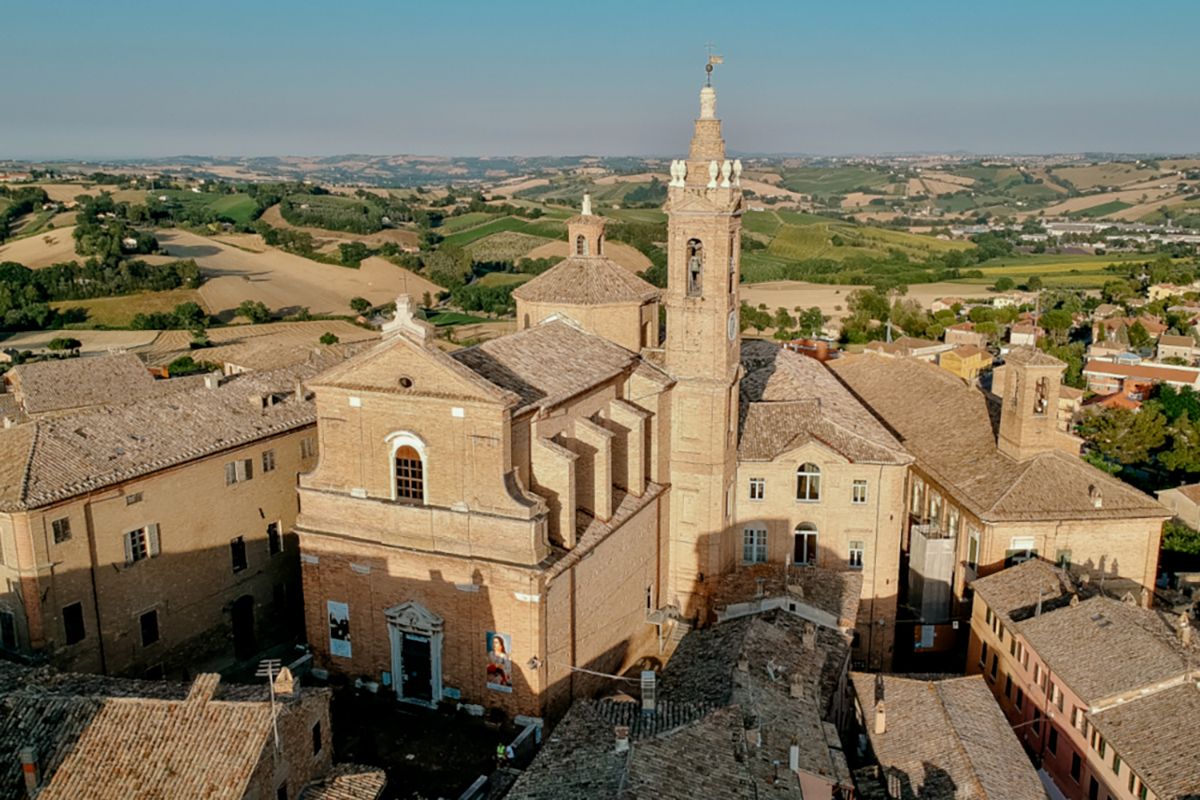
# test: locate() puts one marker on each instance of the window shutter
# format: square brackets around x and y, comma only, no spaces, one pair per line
[128,548]
[230,473]
[152,538]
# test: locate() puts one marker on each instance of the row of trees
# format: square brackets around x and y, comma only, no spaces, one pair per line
[18,201]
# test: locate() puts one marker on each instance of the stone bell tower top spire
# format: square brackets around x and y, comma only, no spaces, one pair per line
[708,103]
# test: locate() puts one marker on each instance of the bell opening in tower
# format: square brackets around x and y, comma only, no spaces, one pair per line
[695,267]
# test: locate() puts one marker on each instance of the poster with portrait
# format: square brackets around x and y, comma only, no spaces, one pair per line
[499,666]
[339,629]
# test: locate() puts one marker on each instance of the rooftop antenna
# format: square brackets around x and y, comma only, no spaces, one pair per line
[713,60]
[268,668]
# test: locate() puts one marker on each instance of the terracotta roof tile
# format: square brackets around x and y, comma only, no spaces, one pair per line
[586,281]
[64,384]
[945,740]
[1156,737]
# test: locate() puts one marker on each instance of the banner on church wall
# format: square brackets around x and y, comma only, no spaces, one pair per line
[499,668]
[339,629]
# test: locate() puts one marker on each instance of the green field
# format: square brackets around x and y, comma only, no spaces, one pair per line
[444,319]
[117,312]
[1078,271]
[817,240]
[637,214]
[504,246]
[833,180]
[1101,210]
[239,208]
[548,230]
[464,221]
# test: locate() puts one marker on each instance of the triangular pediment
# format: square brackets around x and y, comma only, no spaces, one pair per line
[807,447]
[412,616]
[401,365]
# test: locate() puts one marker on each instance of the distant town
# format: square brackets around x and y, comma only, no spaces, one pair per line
[370,477]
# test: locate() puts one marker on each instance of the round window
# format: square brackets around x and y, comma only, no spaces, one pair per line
[406,382]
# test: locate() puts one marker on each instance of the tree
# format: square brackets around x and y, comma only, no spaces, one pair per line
[60,343]
[1139,337]
[1058,323]
[1125,436]
[782,321]
[812,322]
[1184,452]
[1034,283]
[1004,283]
[254,310]
[328,338]
[352,253]
[1179,538]
[359,305]
[189,315]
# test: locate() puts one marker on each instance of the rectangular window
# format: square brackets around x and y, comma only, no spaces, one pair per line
[1132,781]
[1102,750]
[308,447]
[61,529]
[856,555]
[983,655]
[141,544]
[73,622]
[758,488]
[808,483]
[754,545]
[149,626]
[972,547]
[1056,696]
[410,475]
[935,507]
[995,665]
[238,471]
[1116,764]
[1037,724]
[1019,700]
[1052,740]
[952,523]
[1143,792]
[316,738]
[8,630]
[858,494]
[274,539]
[133,498]
[1037,675]
[281,793]
[1076,767]
[987,615]
[268,461]
[1012,647]
[1008,686]
[1020,550]
[237,553]
[918,498]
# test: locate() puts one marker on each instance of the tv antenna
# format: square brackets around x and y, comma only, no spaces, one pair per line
[268,668]
[712,61]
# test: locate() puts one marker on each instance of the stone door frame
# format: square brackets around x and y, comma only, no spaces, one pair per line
[412,617]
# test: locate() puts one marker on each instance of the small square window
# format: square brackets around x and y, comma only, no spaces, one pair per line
[858,494]
[61,529]
[135,497]
[73,623]
[149,625]
[268,461]
[758,488]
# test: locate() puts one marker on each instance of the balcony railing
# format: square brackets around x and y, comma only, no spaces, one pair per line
[931,530]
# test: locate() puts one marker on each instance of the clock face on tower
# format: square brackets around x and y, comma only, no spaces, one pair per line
[733,322]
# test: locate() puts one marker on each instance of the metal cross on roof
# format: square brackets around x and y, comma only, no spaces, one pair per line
[712,60]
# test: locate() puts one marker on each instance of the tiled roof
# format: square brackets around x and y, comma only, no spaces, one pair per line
[63,456]
[347,782]
[586,281]
[1101,646]
[945,740]
[1033,357]
[547,363]
[1143,371]
[970,350]
[1156,737]
[835,592]
[1172,340]
[788,399]
[697,743]
[1014,593]
[948,426]
[63,384]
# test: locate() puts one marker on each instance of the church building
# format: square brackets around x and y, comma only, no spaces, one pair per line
[498,524]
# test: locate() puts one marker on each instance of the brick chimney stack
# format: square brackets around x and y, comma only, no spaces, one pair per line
[29,769]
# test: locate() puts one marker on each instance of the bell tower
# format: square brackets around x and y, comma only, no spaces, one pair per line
[702,353]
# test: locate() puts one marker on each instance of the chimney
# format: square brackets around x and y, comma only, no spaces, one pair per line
[203,689]
[794,758]
[299,392]
[212,380]
[1096,496]
[29,769]
[649,691]
[285,684]
[796,689]
[743,664]
[1185,630]
[1038,611]
[880,719]
[622,735]
[810,636]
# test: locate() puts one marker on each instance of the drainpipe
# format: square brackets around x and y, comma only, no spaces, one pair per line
[93,563]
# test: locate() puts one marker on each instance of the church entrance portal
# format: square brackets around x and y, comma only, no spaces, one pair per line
[416,638]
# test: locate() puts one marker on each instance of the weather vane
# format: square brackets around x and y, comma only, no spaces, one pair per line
[712,61]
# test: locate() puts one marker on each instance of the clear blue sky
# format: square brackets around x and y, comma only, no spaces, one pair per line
[127,79]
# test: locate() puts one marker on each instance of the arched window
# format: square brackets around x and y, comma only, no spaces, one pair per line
[581,247]
[808,483]
[805,544]
[1040,394]
[695,267]
[409,461]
